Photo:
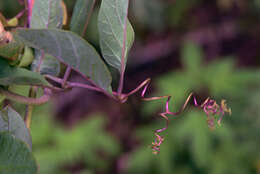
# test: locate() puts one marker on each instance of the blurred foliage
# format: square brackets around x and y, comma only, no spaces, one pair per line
[56,146]
[218,79]
[190,147]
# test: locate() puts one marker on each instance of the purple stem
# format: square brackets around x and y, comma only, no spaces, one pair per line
[80,85]
[66,77]
[20,14]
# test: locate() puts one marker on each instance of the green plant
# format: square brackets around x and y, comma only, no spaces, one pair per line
[34,56]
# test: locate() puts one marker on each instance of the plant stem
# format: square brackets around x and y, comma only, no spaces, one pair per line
[29,108]
[81,85]
[25,100]
[66,77]
[26,13]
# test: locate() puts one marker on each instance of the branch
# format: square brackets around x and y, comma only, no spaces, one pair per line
[29,108]
[66,77]
[81,85]
[27,100]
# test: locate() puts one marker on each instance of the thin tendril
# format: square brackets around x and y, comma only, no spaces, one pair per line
[209,106]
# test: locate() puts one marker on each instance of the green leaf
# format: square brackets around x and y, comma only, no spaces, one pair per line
[50,65]
[81,16]
[15,157]
[12,122]
[2,97]
[19,76]
[46,14]
[27,57]
[70,49]
[192,56]
[112,25]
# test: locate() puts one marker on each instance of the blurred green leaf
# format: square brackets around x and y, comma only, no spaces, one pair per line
[15,157]
[2,97]
[56,146]
[12,122]
[71,50]
[192,56]
[150,14]
[19,76]
[81,16]
[178,10]
[46,14]
[112,24]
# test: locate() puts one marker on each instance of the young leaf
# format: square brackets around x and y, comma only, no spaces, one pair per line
[19,76]
[46,14]
[12,122]
[15,157]
[116,32]
[70,49]
[81,16]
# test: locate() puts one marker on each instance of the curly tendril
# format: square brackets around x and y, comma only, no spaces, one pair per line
[209,106]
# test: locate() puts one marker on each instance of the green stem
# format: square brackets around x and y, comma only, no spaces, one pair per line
[25,100]
[29,108]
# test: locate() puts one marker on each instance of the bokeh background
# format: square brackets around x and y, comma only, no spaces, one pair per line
[211,48]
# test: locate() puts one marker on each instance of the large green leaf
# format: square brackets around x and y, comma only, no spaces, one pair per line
[70,49]
[81,15]
[12,122]
[112,26]
[19,76]
[46,14]
[15,157]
